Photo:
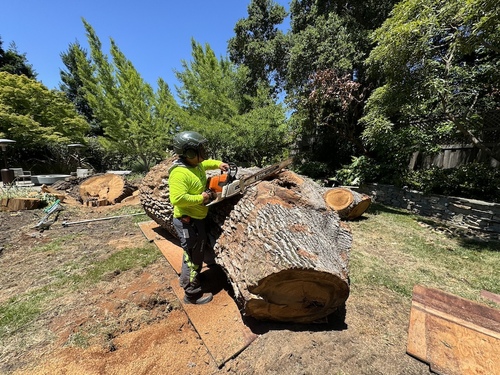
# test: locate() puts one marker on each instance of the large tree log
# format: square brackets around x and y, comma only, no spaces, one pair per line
[154,195]
[284,252]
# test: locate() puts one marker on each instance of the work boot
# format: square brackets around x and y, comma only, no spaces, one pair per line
[204,298]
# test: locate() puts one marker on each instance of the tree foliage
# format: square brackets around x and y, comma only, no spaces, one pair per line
[259,45]
[247,129]
[33,115]
[137,121]
[326,79]
[72,84]
[439,60]
[13,62]
[41,121]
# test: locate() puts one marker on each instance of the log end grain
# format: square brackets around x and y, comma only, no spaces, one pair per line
[348,203]
[339,198]
[109,187]
[360,208]
[297,295]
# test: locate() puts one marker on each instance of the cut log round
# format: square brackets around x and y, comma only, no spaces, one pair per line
[284,252]
[104,189]
[348,203]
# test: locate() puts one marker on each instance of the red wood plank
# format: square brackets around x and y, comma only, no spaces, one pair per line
[452,334]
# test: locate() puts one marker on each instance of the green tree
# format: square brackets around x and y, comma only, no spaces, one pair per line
[13,62]
[33,115]
[41,121]
[326,79]
[240,128]
[72,84]
[138,122]
[439,60]
[260,45]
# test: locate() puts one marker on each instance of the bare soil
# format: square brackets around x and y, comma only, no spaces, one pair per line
[132,322]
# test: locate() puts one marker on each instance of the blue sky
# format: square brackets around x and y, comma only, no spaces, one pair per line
[154,34]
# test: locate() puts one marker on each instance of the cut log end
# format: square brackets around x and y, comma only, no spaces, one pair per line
[339,199]
[348,203]
[297,295]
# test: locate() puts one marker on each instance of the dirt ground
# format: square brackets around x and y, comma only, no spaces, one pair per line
[132,322]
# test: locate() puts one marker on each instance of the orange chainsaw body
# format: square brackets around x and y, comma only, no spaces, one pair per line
[216,183]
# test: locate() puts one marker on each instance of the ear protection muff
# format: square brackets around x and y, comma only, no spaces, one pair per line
[190,153]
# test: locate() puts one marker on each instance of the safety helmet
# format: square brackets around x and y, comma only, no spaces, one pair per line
[190,144]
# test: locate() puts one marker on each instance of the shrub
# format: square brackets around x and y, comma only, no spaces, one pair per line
[362,169]
[475,181]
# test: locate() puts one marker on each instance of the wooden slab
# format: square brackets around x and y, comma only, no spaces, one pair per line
[452,334]
[18,204]
[490,296]
[166,243]
[219,323]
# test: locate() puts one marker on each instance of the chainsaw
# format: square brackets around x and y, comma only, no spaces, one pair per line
[227,184]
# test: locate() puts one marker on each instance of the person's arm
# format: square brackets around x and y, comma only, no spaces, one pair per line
[215,164]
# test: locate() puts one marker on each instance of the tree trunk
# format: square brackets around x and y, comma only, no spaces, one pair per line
[348,203]
[284,252]
[155,195]
[105,189]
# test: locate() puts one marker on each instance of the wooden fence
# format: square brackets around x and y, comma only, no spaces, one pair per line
[455,149]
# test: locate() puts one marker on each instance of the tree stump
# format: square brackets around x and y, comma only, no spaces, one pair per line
[105,189]
[284,252]
[348,203]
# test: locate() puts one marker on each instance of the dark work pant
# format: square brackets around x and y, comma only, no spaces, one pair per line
[193,238]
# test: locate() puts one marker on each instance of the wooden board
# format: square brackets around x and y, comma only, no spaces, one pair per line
[490,296]
[219,323]
[166,243]
[452,334]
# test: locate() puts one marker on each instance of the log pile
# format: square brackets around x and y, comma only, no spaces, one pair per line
[285,253]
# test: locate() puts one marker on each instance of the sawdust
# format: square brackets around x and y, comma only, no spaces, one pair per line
[133,323]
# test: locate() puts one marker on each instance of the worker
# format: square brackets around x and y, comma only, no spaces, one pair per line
[187,183]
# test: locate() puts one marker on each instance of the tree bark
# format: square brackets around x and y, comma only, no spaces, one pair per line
[348,203]
[154,195]
[284,252]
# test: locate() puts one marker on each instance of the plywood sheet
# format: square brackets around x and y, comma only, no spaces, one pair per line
[490,296]
[452,334]
[219,323]
[166,243]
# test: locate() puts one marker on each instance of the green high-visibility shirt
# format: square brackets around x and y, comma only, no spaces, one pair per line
[186,184]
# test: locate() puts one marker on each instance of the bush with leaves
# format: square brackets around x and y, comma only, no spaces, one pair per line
[362,169]
[475,181]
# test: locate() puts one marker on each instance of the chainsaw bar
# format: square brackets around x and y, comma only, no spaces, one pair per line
[239,185]
[266,172]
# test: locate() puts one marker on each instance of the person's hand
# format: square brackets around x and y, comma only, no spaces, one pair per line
[224,167]
[206,197]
